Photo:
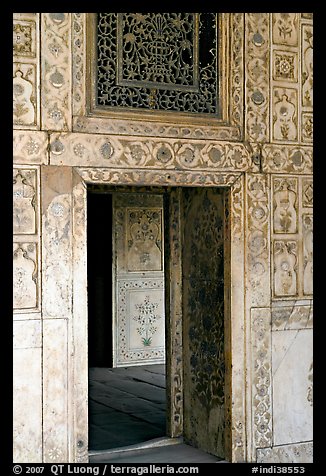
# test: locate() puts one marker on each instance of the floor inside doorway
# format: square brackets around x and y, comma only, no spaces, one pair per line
[127,408]
[127,405]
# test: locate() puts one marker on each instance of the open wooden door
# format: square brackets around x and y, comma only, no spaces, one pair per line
[203,319]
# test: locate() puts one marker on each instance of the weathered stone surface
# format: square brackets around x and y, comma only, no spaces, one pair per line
[27,334]
[293,453]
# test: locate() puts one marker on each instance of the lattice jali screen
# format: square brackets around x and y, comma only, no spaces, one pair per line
[157,61]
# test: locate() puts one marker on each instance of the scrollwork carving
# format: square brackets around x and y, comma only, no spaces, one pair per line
[261,378]
[55,56]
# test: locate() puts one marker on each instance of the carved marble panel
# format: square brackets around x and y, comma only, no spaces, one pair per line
[307,192]
[257,60]
[25,276]
[307,224]
[285,28]
[24,94]
[285,66]
[307,65]
[261,378]
[285,204]
[27,405]
[292,403]
[293,453]
[30,147]
[287,159]
[307,127]
[26,74]
[55,385]
[258,260]
[285,269]
[24,37]
[24,201]
[57,249]
[76,149]
[285,115]
[56,71]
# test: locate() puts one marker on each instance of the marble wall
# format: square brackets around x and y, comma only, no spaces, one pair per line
[262,153]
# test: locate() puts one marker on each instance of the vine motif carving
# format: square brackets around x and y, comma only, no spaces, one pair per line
[56,63]
[78,63]
[285,268]
[307,66]
[307,222]
[237,69]
[157,177]
[237,209]
[262,405]
[257,74]
[285,193]
[287,159]
[310,386]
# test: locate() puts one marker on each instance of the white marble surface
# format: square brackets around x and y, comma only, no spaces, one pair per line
[291,361]
[27,405]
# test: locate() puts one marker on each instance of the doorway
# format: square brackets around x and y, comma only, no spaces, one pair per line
[201,289]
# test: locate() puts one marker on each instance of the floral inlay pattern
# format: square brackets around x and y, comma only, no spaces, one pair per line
[146,319]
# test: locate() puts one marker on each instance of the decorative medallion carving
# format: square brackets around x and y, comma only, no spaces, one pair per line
[285,66]
[24,201]
[30,147]
[285,268]
[307,223]
[285,192]
[285,28]
[25,276]
[257,61]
